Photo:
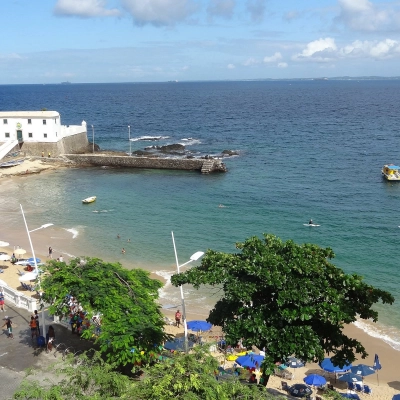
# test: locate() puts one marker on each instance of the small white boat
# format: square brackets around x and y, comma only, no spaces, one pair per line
[89,200]
[391,172]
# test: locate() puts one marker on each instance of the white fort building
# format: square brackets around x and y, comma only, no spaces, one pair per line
[38,133]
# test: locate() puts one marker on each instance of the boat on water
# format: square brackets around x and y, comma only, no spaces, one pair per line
[13,163]
[89,200]
[391,172]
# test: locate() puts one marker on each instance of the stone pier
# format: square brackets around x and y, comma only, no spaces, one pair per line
[205,166]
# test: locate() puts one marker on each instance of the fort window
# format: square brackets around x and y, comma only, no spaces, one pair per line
[44,122]
[7,134]
[29,121]
[4,121]
[45,135]
[30,134]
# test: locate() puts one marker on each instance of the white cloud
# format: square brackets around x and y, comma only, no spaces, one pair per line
[221,8]
[282,65]
[363,15]
[256,9]
[277,56]
[319,50]
[250,61]
[159,12]
[11,56]
[382,50]
[231,66]
[84,8]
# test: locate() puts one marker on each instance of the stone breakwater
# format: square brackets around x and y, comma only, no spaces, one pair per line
[194,164]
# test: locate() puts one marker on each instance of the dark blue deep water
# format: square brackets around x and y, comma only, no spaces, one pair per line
[307,149]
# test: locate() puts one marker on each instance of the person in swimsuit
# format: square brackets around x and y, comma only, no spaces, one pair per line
[311,222]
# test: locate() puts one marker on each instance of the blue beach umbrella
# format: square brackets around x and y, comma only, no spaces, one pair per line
[178,344]
[362,370]
[249,360]
[198,325]
[299,390]
[32,260]
[349,377]
[314,380]
[396,397]
[327,365]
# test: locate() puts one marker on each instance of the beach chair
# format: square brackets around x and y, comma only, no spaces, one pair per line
[367,390]
[350,386]
[359,387]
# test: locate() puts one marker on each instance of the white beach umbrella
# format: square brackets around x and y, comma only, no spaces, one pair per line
[30,276]
[19,252]
[4,244]
[4,257]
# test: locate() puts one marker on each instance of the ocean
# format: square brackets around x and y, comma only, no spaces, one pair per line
[307,149]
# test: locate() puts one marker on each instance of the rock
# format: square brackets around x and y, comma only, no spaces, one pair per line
[172,148]
[230,153]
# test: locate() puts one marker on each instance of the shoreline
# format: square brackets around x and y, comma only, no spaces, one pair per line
[388,376]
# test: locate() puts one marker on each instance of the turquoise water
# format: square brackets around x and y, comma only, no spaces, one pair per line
[306,150]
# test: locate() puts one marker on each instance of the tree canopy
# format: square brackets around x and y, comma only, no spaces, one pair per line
[286,297]
[131,321]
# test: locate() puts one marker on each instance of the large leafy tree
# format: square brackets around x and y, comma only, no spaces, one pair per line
[131,321]
[288,298]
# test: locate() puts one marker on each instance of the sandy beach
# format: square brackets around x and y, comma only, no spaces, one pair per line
[389,376]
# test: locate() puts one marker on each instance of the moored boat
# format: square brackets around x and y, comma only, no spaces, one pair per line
[391,172]
[89,200]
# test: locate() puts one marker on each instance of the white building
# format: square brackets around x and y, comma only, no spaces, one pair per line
[35,132]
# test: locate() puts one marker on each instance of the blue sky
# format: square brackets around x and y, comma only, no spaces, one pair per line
[49,41]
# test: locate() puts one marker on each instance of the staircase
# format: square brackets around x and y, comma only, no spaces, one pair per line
[207,167]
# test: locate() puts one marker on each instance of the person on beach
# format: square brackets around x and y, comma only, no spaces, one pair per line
[178,316]
[61,258]
[36,316]
[51,337]
[33,327]
[8,323]
[50,252]
[123,251]
[2,300]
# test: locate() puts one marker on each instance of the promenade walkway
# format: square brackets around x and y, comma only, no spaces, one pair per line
[19,354]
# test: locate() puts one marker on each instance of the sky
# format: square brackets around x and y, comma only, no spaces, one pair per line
[95,41]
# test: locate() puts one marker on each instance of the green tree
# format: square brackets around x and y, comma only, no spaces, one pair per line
[131,321]
[287,298]
[179,376]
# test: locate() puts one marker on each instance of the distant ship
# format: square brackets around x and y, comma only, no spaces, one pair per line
[66,83]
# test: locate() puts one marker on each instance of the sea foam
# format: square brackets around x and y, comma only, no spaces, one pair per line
[74,232]
[388,334]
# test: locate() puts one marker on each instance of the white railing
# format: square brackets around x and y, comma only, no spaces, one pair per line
[19,299]
[6,147]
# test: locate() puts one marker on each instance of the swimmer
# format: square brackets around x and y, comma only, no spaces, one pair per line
[118,236]
[129,240]
[221,206]
[123,251]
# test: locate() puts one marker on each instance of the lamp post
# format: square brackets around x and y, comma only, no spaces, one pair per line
[93,136]
[130,143]
[35,261]
[193,257]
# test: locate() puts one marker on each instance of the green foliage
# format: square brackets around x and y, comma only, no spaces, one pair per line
[287,298]
[131,322]
[181,376]
[82,378]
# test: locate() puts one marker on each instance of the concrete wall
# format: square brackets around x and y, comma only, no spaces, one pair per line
[69,144]
[142,162]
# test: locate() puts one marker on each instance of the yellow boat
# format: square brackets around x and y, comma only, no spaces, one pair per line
[89,200]
[391,172]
